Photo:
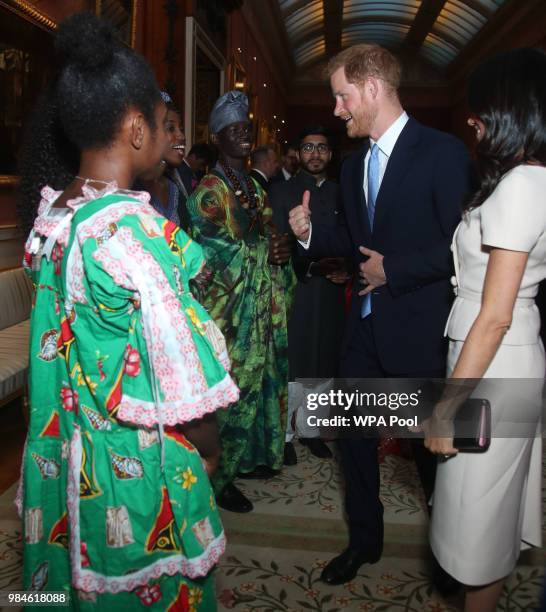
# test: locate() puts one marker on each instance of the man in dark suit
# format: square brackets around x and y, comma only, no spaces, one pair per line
[263,165]
[195,164]
[315,326]
[290,163]
[402,195]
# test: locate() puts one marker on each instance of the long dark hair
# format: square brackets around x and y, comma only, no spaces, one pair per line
[508,94]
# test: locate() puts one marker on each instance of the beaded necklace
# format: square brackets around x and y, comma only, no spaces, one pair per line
[247,201]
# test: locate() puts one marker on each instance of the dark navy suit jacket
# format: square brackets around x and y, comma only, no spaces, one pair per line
[417,210]
[187,175]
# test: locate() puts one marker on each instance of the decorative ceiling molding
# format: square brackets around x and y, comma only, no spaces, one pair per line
[307,36]
[494,34]
[479,7]
[293,7]
[436,30]
[424,20]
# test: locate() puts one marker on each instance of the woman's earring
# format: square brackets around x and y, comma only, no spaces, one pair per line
[474,124]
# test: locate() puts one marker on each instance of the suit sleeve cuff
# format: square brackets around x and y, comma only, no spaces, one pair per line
[307,243]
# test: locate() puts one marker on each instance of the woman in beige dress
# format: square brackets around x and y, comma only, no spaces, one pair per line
[487,507]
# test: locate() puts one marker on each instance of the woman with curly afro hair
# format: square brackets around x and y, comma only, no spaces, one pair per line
[126,368]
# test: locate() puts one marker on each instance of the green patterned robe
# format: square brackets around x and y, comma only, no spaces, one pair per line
[118,509]
[249,299]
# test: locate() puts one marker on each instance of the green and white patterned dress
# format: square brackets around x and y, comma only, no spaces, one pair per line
[117,505]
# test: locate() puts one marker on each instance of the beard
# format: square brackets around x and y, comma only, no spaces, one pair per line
[315,167]
[361,123]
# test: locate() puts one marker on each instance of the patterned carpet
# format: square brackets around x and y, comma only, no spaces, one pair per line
[276,553]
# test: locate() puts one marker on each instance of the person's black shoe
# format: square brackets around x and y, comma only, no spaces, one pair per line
[345,566]
[260,472]
[232,499]
[290,457]
[317,447]
[444,583]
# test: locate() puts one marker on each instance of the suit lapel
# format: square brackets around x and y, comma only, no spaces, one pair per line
[359,199]
[399,164]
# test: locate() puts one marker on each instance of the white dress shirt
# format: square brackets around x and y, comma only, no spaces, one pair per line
[260,172]
[386,145]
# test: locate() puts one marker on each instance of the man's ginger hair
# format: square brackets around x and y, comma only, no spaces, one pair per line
[367,60]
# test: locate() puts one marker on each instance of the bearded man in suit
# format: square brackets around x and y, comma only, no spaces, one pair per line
[401,194]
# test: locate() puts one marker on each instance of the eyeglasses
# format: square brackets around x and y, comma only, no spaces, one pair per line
[310,147]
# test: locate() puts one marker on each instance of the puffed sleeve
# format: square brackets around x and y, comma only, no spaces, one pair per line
[170,373]
[514,216]
[189,252]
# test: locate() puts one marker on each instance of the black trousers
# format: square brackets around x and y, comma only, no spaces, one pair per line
[359,456]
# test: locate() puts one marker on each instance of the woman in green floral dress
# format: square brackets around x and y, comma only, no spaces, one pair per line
[249,297]
[125,366]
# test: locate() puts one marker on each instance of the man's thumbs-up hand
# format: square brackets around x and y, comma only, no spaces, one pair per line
[299,218]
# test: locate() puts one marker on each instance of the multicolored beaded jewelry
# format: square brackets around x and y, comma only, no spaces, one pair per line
[247,202]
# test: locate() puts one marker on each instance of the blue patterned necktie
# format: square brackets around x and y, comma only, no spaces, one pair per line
[373,188]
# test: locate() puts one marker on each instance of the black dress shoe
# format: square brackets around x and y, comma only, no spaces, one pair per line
[232,499]
[290,457]
[260,472]
[317,447]
[443,582]
[344,567]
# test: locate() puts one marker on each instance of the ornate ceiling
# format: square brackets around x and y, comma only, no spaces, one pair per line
[435,31]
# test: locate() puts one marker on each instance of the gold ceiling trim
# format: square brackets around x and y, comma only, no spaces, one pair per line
[30,13]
